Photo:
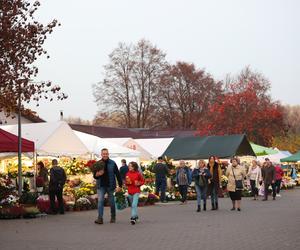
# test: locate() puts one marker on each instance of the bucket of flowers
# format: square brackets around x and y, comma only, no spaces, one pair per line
[152,199]
[82,203]
[142,199]
[121,200]
[9,208]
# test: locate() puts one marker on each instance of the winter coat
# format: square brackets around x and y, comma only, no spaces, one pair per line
[239,173]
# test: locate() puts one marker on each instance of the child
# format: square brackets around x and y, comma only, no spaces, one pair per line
[134,180]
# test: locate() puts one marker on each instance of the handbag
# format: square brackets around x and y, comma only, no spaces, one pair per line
[238,183]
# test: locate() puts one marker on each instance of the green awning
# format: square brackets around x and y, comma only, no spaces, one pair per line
[261,150]
[196,147]
[293,158]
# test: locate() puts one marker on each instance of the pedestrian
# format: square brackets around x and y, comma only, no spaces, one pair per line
[134,180]
[183,179]
[294,172]
[57,181]
[255,177]
[279,174]
[123,170]
[161,171]
[201,175]
[269,178]
[106,184]
[215,181]
[43,172]
[236,175]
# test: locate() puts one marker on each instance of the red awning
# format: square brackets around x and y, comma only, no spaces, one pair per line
[9,143]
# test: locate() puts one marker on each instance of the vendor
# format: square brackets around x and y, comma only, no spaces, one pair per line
[42,172]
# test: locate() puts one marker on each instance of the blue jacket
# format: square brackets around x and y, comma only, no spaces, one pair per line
[196,173]
[188,174]
[113,173]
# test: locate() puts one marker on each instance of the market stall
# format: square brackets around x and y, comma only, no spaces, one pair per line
[196,147]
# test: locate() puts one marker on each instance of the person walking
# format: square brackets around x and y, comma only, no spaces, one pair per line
[161,171]
[269,178]
[236,175]
[183,179]
[255,177]
[106,184]
[134,180]
[123,170]
[293,172]
[57,181]
[279,174]
[215,181]
[201,175]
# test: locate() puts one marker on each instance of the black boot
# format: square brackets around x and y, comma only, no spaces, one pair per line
[199,208]
[204,207]
[213,206]
[217,206]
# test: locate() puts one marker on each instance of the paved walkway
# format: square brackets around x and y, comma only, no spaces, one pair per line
[261,225]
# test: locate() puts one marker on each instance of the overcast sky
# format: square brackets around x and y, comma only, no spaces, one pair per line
[221,36]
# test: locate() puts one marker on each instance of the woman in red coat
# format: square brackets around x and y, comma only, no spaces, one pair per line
[279,174]
[134,180]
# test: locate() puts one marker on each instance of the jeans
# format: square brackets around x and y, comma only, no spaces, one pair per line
[160,186]
[254,189]
[267,190]
[214,194]
[58,194]
[101,193]
[183,192]
[134,200]
[278,186]
[201,194]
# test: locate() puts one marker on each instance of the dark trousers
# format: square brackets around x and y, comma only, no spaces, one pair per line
[278,186]
[183,192]
[254,189]
[267,190]
[160,186]
[58,193]
[213,190]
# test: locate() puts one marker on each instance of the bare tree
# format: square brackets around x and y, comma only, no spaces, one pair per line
[186,93]
[131,82]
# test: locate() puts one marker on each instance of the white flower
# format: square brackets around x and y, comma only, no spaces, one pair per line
[176,185]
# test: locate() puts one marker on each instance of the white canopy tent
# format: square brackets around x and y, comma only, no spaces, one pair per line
[51,138]
[116,152]
[133,145]
[156,147]
[275,158]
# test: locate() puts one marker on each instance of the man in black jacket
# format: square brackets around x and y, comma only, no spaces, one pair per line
[161,171]
[56,185]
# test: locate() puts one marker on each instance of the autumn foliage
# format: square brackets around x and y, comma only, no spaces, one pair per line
[245,108]
[21,43]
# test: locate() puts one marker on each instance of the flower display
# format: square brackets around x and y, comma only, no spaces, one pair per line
[152,198]
[85,190]
[83,203]
[75,167]
[170,196]
[147,189]
[10,200]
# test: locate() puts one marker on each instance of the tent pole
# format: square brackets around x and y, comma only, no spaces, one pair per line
[19,143]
